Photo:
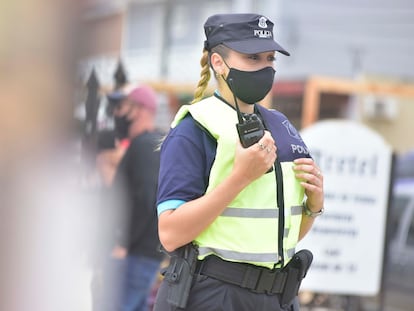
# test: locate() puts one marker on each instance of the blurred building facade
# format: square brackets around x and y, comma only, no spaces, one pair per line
[160,41]
[163,39]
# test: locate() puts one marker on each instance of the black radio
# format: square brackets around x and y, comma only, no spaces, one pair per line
[250,130]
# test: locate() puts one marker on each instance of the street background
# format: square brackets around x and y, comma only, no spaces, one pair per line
[58,60]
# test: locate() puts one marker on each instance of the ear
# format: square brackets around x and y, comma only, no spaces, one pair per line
[217,63]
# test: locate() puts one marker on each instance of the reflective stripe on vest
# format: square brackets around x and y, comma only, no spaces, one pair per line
[247,231]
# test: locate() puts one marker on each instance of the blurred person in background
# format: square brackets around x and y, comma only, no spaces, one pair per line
[135,184]
[231,216]
[111,147]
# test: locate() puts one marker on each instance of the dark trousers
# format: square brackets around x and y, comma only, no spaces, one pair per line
[208,294]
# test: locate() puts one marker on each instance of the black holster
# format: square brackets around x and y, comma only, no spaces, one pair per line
[179,274]
[296,270]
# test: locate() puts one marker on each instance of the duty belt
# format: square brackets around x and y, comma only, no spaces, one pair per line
[257,279]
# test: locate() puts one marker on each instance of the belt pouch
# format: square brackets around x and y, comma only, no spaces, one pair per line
[296,270]
[179,275]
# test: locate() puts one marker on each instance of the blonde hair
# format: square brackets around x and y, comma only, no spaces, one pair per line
[204,77]
[205,73]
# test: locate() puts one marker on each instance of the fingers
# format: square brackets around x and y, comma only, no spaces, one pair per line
[263,152]
[307,170]
[267,143]
[312,181]
[256,159]
[266,148]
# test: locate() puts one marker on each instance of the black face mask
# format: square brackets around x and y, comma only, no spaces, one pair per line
[122,126]
[250,86]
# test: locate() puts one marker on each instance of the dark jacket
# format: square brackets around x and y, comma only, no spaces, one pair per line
[136,183]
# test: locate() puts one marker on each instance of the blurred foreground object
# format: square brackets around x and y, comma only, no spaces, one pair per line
[45,219]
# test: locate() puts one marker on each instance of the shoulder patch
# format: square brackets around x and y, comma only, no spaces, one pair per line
[291,130]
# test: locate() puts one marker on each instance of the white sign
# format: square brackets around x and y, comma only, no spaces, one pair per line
[347,241]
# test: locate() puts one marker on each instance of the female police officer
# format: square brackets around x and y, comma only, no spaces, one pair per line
[235,195]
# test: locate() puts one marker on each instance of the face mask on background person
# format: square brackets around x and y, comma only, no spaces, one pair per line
[122,124]
[250,86]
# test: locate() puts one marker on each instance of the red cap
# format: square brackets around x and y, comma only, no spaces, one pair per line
[145,96]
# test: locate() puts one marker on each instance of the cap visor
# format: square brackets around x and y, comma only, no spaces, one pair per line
[256,46]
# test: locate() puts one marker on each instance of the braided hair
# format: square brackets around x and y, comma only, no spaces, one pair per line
[205,70]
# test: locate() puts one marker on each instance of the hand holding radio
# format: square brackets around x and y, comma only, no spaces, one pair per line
[252,162]
[251,131]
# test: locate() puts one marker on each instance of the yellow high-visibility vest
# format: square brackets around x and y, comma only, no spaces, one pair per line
[247,230]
